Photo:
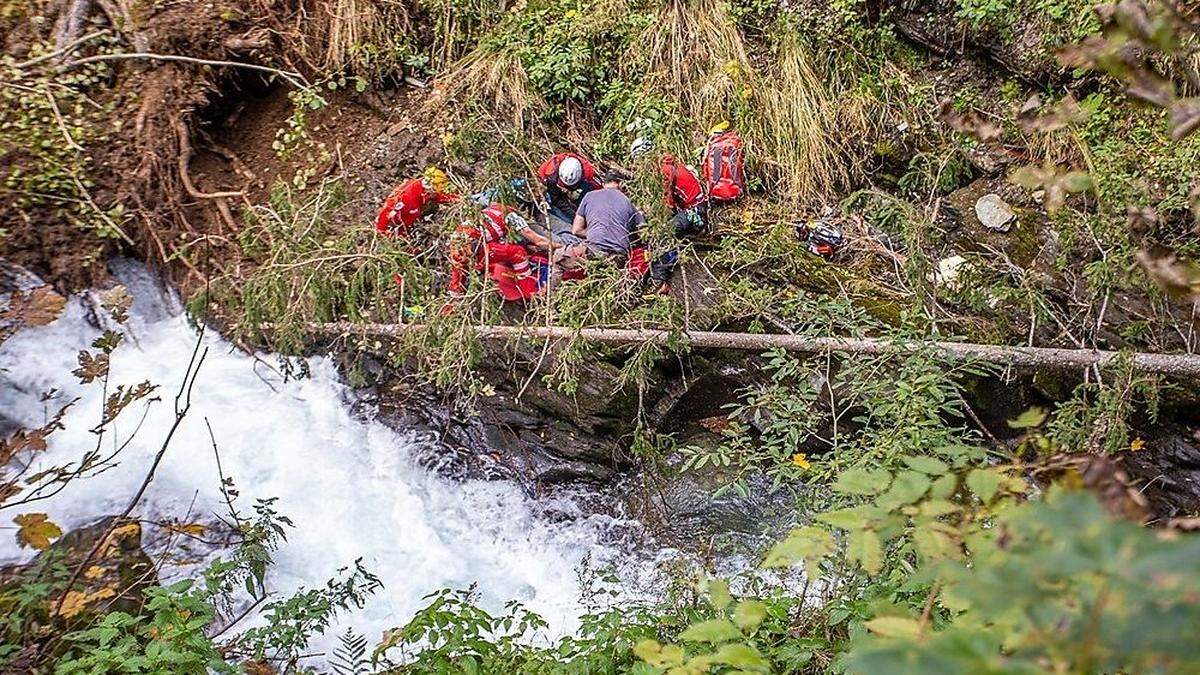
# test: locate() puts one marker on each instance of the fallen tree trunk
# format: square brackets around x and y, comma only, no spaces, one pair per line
[1181,365]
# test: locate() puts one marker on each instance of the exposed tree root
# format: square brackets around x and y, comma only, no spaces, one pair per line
[293,78]
[72,23]
[185,158]
[60,51]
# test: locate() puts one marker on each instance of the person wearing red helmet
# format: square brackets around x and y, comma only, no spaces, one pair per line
[411,200]
[486,246]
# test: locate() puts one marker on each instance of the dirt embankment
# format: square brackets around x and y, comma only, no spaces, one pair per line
[179,147]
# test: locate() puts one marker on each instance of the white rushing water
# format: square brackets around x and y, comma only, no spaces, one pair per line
[351,485]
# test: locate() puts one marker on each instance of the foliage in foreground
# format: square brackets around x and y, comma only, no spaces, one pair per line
[1053,584]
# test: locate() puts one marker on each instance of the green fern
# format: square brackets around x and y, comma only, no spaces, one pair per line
[351,657]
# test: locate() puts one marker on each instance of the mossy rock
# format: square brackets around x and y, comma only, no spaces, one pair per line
[1020,243]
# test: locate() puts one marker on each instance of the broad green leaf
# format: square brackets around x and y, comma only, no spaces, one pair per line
[808,544]
[908,487]
[984,483]
[853,518]
[862,481]
[952,600]
[1015,484]
[700,663]
[943,487]
[933,508]
[1029,419]
[930,465]
[894,627]
[933,544]
[738,655]
[747,614]
[711,631]
[718,593]
[864,547]
[658,655]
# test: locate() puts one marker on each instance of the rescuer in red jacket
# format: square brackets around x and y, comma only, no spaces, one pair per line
[413,199]
[566,178]
[486,246]
[684,195]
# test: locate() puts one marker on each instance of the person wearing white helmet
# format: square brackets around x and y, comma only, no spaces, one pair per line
[570,171]
[566,178]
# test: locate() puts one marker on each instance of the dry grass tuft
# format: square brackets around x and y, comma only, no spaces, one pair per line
[692,51]
[792,123]
[353,30]
[796,128]
[497,77]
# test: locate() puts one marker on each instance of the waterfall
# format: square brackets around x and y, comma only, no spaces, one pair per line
[351,485]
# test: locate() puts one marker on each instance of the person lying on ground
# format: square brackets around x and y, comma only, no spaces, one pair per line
[413,199]
[566,178]
[498,214]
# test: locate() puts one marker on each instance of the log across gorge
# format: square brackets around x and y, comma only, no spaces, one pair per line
[1175,365]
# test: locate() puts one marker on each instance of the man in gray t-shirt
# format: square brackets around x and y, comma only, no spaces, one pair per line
[606,220]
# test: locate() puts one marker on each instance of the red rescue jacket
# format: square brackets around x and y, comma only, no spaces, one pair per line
[548,171]
[495,225]
[566,198]
[509,263]
[682,188]
[406,204]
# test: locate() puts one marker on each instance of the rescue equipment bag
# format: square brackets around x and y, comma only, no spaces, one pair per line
[723,160]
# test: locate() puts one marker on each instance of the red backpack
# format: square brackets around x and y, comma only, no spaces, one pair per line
[723,159]
[681,187]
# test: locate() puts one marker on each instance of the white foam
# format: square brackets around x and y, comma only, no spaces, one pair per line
[350,485]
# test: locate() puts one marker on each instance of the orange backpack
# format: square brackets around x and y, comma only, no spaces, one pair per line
[723,158]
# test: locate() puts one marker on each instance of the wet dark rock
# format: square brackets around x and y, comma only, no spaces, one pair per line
[539,435]
[16,278]
[114,579]
[1018,239]
[153,299]
[1168,472]
[698,507]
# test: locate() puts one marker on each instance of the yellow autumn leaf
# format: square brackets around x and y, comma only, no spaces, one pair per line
[194,529]
[36,530]
[1137,445]
[93,572]
[76,601]
[113,542]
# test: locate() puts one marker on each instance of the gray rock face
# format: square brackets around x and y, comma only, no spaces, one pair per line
[994,213]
